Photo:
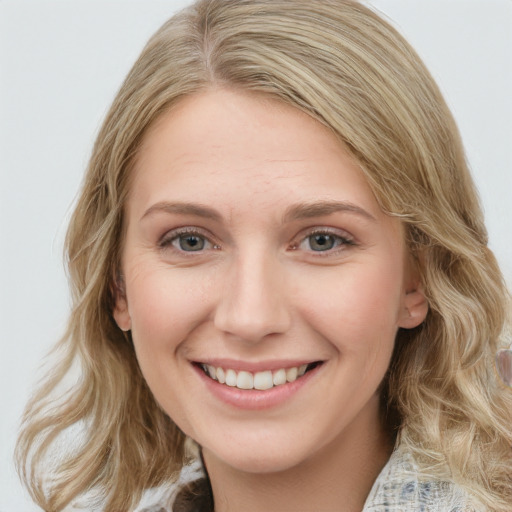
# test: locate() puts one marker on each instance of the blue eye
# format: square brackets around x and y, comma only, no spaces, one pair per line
[186,240]
[189,242]
[324,242]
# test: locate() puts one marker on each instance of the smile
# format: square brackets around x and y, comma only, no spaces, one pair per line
[262,380]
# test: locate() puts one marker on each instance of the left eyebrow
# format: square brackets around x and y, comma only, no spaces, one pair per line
[321,208]
[180,208]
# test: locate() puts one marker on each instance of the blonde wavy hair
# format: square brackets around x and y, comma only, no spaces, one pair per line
[342,64]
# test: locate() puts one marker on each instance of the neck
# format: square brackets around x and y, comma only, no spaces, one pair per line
[338,477]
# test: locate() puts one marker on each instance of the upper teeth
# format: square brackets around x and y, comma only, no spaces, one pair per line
[259,380]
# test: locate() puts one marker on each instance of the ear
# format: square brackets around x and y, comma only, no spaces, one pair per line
[415,308]
[121,312]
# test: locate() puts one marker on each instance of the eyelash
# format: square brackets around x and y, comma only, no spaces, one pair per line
[168,240]
[340,241]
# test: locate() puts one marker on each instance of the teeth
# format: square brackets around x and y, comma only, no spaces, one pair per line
[244,380]
[291,374]
[263,380]
[211,371]
[279,377]
[221,376]
[259,380]
[231,378]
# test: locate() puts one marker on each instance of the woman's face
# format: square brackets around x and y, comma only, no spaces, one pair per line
[256,252]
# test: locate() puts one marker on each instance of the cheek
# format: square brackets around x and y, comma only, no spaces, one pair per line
[355,298]
[165,307]
[356,310]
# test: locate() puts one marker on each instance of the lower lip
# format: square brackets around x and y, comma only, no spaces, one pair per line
[253,399]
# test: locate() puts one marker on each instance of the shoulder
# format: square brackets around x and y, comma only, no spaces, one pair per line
[401,488]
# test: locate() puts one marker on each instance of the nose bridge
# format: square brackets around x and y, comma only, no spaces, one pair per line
[253,303]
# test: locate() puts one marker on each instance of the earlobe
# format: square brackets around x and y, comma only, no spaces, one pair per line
[122,315]
[121,312]
[415,309]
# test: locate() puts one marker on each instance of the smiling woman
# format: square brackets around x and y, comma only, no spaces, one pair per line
[248,296]
[278,255]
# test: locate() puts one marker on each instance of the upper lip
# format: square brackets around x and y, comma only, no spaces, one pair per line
[272,365]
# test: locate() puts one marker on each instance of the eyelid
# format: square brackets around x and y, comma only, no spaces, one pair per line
[347,239]
[329,231]
[165,241]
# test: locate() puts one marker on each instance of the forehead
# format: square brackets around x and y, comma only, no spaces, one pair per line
[249,124]
[231,136]
[251,159]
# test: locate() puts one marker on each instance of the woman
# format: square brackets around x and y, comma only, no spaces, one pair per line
[279,255]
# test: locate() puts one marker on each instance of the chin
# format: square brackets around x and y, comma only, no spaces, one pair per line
[260,456]
[258,463]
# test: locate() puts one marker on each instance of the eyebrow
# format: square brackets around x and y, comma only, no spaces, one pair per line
[195,209]
[321,208]
[295,212]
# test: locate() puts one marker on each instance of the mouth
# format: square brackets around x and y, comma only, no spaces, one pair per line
[261,380]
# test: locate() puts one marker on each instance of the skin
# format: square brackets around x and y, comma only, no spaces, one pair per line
[261,292]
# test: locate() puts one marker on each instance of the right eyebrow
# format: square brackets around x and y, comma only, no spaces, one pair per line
[195,209]
[321,208]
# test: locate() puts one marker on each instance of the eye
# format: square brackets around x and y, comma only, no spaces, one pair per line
[186,240]
[324,242]
[189,242]
[321,242]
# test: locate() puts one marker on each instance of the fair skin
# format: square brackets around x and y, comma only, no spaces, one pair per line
[254,247]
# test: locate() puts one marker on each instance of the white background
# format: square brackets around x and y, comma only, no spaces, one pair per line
[61,63]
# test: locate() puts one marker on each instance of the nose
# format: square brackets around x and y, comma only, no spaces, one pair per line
[253,302]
